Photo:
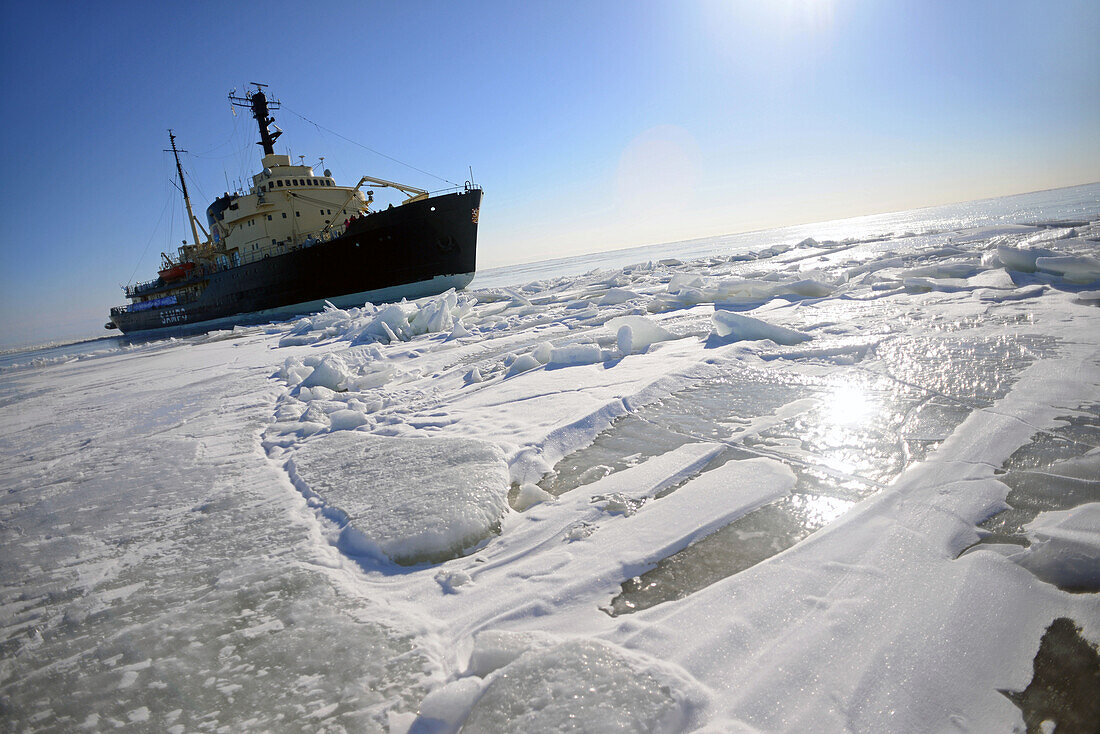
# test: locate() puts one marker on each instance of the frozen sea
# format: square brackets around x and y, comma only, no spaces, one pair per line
[841,477]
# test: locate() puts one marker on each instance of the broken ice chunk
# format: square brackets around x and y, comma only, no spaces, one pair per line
[1065,548]
[523,363]
[618,503]
[616,296]
[331,372]
[444,708]
[409,500]
[736,327]
[493,649]
[531,495]
[625,339]
[641,332]
[449,581]
[680,281]
[606,688]
[458,331]
[1090,298]
[1074,268]
[542,352]
[346,420]
[575,354]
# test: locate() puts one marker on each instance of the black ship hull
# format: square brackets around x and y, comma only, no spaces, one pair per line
[413,250]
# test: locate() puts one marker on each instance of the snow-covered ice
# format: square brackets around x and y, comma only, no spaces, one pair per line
[832,483]
[586,684]
[403,499]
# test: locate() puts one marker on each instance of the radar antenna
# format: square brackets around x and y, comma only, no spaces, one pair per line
[257,101]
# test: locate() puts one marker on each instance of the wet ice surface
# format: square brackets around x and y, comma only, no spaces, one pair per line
[1064,694]
[814,485]
[1054,495]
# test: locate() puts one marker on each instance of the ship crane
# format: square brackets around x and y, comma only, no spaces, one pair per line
[413,193]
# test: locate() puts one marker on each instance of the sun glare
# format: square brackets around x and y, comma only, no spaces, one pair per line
[814,13]
[848,405]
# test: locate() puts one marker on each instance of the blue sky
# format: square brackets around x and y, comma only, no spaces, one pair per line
[592,126]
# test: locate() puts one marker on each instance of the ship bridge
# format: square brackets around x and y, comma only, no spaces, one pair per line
[286,207]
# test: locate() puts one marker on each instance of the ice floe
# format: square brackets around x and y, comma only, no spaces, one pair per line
[407,500]
[587,683]
[733,326]
[422,516]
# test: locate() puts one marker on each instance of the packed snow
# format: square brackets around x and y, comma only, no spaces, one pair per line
[815,485]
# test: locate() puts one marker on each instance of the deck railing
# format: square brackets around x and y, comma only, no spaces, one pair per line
[177,300]
[150,286]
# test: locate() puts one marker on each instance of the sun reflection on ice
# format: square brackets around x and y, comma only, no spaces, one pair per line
[843,437]
[849,405]
[817,511]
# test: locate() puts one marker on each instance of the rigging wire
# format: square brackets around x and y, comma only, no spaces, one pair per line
[205,155]
[245,160]
[364,147]
[171,225]
[195,182]
[167,201]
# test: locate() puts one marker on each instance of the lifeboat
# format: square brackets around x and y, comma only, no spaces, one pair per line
[177,271]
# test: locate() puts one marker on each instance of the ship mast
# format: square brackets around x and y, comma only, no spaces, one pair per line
[183,185]
[257,102]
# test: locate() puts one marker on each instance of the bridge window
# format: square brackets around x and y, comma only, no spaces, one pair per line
[295,182]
